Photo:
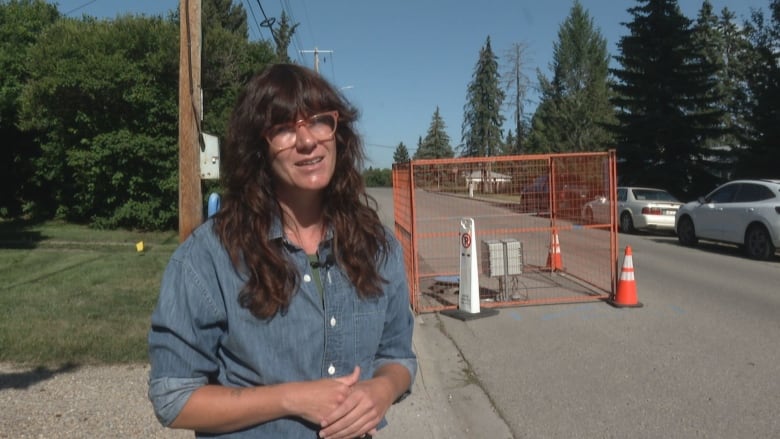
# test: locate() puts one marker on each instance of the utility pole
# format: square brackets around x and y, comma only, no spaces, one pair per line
[316,53]
[190,115]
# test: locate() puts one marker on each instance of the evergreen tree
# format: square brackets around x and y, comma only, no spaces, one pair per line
[575,106]
[224,14]
[283,36]
[541,123]
[667,112]
[482,119]
[229,58]
[709,43]
[436,144]
[401,154]
[762,153]
[511,144]
[736,56]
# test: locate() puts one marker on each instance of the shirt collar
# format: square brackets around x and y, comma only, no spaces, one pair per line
[276,231]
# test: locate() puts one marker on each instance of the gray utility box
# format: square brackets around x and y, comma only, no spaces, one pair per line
[502,258]
[209,157]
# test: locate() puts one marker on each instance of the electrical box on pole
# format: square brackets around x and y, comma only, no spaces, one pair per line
[209,157]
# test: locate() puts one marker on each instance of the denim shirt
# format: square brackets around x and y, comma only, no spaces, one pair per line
[201,335]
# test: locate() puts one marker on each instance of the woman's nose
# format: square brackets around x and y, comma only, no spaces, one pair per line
[304,138]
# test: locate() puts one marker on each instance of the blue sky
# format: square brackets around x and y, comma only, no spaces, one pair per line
[397,61]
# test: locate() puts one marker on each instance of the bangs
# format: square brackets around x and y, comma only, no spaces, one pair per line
[293,93]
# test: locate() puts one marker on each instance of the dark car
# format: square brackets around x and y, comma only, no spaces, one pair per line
[570,194]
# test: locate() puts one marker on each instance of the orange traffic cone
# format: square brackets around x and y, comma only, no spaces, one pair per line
[554,258]
[626,289]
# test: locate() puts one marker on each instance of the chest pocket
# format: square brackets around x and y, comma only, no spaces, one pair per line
[369,321]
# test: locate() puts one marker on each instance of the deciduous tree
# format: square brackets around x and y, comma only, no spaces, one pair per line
[102,95]
[516,84]
[21,22]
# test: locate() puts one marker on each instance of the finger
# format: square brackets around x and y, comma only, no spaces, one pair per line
[340,412]
[351,379]
[349,429]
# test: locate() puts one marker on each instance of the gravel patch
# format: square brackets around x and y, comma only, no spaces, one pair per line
[78,402]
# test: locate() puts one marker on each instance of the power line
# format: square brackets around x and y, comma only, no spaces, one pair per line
[374,145]
[79,7]
[254,20]
[268,22]
[308,21]
[296,40]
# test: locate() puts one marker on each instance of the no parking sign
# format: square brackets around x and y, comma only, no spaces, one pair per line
[465,240]
[468,292]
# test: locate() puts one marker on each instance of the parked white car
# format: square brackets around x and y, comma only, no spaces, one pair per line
[638,208]
[742,212]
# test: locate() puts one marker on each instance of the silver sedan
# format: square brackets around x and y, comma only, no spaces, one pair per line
[638,208]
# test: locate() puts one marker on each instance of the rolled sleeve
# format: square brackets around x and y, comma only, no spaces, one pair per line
[185,332]
[168,396]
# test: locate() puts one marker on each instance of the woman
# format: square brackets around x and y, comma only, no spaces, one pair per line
[286,315]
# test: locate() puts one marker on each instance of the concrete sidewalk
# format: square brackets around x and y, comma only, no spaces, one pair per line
[446,400]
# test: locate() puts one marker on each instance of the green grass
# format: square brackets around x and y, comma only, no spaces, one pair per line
[73,295]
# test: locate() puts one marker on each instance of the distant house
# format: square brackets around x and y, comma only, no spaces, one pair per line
[493,177]
[493,180]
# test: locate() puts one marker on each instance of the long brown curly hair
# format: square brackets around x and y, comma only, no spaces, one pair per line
[278,94]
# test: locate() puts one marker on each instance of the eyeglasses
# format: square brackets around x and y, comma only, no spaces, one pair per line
[321,127]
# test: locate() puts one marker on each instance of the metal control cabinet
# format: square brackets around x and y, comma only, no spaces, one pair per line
[493,258]
[504,257]
[514,256]
[503,260]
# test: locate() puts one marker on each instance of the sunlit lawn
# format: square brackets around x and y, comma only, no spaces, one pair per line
[70,294]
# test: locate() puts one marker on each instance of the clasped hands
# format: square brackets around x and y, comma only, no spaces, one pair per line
[346,407]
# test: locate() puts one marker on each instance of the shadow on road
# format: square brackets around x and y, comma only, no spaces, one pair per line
[25,379]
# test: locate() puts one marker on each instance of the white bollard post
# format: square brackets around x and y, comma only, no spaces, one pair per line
[468,287]
[468,295]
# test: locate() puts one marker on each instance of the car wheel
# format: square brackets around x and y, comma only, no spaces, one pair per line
[686,233]
[524,204]
[589,216]
[626,223]
[758,244]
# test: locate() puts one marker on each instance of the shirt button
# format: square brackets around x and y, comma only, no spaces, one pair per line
[332,321]
[331,370]
[306,278]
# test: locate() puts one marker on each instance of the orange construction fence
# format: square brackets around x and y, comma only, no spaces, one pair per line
[539,239]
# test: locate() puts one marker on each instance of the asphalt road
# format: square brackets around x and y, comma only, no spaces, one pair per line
[699,359]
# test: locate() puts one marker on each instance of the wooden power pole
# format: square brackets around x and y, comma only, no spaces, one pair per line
[316,53]
[190,196]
